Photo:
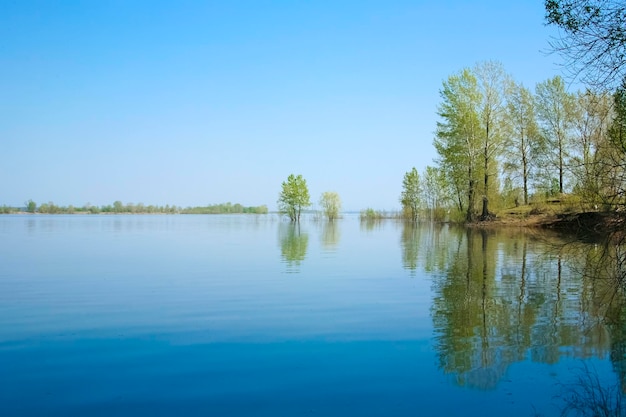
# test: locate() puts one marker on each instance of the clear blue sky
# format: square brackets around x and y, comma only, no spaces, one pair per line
[204,102]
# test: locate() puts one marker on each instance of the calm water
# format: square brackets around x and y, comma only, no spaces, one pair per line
[249,316]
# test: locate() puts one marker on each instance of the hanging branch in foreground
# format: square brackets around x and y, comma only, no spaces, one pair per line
[592,39]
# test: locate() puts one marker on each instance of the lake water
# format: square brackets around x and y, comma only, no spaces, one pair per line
[250,316]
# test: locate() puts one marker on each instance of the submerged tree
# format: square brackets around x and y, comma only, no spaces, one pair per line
[331,205]
[293,197]
[410,196]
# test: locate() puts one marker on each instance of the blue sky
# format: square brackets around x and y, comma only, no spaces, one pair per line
[204,102]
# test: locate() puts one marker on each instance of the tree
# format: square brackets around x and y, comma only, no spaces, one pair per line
[555,108]
[592,39]
[526,142]
[410,196]
[433,192]
[331,204]
[612,160]
[492,80]
[31,206]
[591,123]
[457,139]
[293,197]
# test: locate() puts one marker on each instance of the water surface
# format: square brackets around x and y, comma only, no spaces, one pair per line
[250,315]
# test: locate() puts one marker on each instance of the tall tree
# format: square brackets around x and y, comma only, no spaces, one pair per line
[331,204]
[293,197]
[555,108]
[592,38]
[457,139]
[526,141]
[410,196]
[492,80]
[591,123]
[612,160]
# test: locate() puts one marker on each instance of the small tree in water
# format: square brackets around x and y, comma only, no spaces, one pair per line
[293,197]
[331,205]
[410,197]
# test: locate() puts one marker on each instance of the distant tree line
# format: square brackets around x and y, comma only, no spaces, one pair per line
[130,208]
[226,208]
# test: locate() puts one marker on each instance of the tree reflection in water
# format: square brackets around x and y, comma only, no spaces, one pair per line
[330,235]
[501,298]
[293,245]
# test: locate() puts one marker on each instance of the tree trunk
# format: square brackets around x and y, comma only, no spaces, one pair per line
[560,166]
[470,198]
[485,214]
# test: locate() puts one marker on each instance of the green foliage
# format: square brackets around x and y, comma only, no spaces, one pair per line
[51,208]
[293,197]
[410,196]
[556,113]
[457,138]
[120,208]
[435,193]
[371,214]
[331,204]
[31,206]
[526,142]
[226,208]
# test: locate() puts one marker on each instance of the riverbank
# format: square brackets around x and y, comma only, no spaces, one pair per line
[558,218]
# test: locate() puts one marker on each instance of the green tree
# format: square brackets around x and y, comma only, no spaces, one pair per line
[331,204]
[555,109]
[293,197]
[592,39]
[31,206]
[492,80]
[611,163]
[118,207]
[591,123]
[434,196]
[410,196]
[458,137]
[526,142]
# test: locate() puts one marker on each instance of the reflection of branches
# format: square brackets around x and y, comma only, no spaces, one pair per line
[497,303]
[603,265]
[587,396]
